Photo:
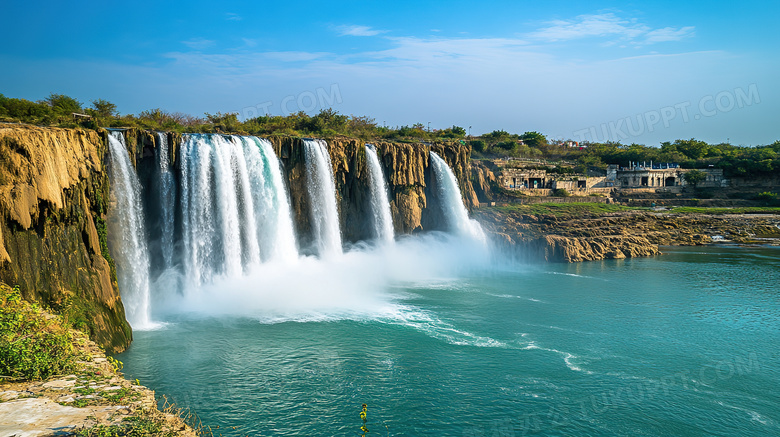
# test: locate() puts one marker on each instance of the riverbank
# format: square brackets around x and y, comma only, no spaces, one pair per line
[586,232]
[90,398]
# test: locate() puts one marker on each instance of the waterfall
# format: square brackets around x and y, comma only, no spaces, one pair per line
[198,216]
[128,244]
[275,230]
[455,212]
[322,198]
[234,207]
[234,204]
[167,199]
[222,219]
[380,206]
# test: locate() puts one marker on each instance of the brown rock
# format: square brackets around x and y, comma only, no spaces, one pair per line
[53,188]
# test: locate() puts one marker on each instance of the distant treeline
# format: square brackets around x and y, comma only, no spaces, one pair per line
[692,153]
[58,110]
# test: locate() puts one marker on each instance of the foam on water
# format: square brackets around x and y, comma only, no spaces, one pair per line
[432,326]
[357,285]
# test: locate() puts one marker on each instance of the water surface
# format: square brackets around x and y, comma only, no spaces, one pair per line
[681,344]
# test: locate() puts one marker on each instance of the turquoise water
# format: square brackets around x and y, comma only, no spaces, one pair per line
[686,343]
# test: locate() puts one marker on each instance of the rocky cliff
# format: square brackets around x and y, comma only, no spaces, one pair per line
[585,237]
[54,194]
[548,238]
[407,172]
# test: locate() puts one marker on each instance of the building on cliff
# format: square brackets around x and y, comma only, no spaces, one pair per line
[668,176]
[540,182]
[533,178]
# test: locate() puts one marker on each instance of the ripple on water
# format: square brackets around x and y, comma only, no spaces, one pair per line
[432,326]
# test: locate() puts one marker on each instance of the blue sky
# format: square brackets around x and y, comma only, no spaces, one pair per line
[641,72]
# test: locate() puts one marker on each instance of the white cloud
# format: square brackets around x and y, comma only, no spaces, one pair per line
[232,16]
[463,50]
[608,25]
[490,83]
[355,30]
[669,34]
[589,26]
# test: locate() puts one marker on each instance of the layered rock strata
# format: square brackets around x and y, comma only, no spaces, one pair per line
[618,235]
[54,196]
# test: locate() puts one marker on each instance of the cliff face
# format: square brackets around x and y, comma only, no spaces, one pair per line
[54,191]
[571,239]
[483,181]
[408,174]
[54,196]
[619,235]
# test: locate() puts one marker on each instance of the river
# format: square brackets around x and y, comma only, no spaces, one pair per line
[686,343]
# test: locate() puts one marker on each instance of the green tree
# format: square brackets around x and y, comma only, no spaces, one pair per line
[458,131]
[693,149]
[694,177]
[226,122]
[477,145]
[534,139]
[62,104]
[104,108]
[496,136]
[25,110]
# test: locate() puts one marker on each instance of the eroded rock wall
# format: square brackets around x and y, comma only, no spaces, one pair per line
[554,239]
[54,196]
[618,235]
[407,172]
[54,192]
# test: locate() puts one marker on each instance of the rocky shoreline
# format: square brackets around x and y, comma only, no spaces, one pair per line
[95,399]
[616,235]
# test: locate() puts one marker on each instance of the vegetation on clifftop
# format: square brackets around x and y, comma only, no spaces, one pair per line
[57,109]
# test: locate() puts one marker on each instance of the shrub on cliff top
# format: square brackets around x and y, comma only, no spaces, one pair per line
[560,192]
[33,345]
[62,104]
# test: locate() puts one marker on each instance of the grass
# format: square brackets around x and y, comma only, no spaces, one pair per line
[33,345]
[37,345]
[722,211]
[149,423]
[568,209]
[134,426]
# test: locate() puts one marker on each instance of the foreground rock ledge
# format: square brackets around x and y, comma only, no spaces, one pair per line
[95,395]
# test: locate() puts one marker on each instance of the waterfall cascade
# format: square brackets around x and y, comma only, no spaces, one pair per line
[271,199]
[224,213]
[128,244]
[234,207]
[380,206]
[452,202]
[167,199]
[322,198]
